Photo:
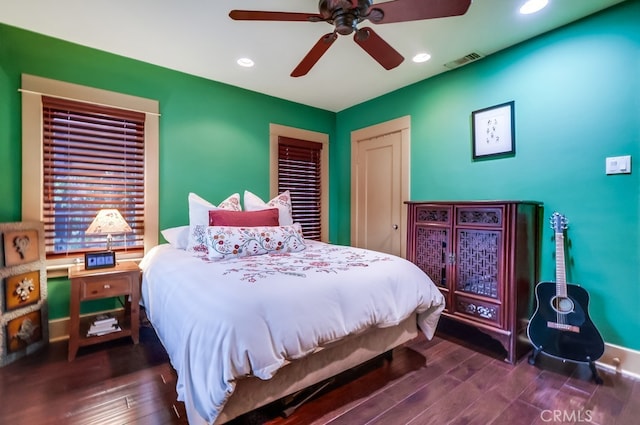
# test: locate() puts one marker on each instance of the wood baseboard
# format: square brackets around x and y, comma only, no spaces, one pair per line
[615,358]
[620,360]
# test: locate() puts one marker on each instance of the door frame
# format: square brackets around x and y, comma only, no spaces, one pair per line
[403,126]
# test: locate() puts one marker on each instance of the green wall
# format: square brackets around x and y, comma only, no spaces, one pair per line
[577,101]
[214,138]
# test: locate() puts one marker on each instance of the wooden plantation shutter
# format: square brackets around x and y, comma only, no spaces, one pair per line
[299,173]
[93,158]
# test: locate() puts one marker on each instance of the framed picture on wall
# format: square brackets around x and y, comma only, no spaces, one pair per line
[20,247]
[24,330]
[493,131]
[22,290]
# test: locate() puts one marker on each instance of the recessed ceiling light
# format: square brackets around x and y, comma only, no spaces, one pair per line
[421,57]
[245,62]
[533,6]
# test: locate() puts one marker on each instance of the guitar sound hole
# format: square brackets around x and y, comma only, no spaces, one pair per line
[562,305]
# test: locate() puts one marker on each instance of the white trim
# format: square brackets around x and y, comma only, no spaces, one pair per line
[61,89]
[72,99]
[620,360]
[616,359]
[33,88]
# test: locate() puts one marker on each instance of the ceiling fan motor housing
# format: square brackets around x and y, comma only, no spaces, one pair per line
[343,15]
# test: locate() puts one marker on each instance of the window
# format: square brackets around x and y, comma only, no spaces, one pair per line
[93,158]
[105,167]
[299,169]
[300,164]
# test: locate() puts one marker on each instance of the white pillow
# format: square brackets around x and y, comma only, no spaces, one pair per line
[199,207]
[177,236]
[199,216]
[282,202]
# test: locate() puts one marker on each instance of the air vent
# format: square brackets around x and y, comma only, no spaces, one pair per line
[471,57]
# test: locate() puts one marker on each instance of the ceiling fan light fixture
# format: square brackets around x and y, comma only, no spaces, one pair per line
[245,62]
[533,6]
[421,57]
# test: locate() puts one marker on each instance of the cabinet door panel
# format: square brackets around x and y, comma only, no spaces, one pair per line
[432,252]
[479,262]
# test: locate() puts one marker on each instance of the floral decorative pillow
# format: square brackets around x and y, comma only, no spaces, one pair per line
[199,219]
[229,242]
[282,202]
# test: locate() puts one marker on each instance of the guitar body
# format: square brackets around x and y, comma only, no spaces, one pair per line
[565,333]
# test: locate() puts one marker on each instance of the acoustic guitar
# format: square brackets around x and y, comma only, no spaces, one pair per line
[560,326]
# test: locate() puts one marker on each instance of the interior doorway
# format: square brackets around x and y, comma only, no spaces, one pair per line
[380,185]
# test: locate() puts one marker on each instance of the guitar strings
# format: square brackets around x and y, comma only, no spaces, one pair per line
[560,278]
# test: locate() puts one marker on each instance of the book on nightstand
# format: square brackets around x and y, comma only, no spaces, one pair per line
[102,325]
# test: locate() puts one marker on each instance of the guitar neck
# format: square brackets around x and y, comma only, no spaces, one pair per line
[561,282]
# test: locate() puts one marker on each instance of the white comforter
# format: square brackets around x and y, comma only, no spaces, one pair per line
[249,316]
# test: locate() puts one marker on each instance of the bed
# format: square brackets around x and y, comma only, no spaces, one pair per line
[244,331]
[250,311]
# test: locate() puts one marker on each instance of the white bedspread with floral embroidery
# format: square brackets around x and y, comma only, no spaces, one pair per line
[221,320]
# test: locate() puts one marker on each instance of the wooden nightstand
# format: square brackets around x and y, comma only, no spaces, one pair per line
[122,280]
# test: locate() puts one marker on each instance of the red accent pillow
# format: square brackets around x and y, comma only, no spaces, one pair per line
[268,217]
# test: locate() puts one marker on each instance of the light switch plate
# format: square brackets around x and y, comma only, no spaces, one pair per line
[618,164]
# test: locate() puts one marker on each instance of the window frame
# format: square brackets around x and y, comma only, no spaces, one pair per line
[299,172]
[277,130]
[33,88]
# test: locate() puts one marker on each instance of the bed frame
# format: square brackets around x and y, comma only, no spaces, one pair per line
[251,392]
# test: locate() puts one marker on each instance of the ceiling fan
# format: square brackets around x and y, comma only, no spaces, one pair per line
[345,15]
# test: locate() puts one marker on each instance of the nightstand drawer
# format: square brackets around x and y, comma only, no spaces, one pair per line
[105,288]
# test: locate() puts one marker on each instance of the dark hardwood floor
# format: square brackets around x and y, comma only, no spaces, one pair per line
[443,381]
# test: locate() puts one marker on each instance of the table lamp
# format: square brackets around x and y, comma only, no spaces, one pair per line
[107,222]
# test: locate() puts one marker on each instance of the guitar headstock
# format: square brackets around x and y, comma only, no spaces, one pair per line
[559,222]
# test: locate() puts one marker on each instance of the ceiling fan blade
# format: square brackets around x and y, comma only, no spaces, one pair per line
[379,49]
[314,54]
[416,10]
[258,15]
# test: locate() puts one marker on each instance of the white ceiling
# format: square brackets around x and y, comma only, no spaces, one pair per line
[197,37]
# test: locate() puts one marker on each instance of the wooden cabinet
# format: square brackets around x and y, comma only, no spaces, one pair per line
[122,280]
[484,258]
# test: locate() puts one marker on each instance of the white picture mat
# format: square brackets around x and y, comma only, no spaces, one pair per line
[492,131]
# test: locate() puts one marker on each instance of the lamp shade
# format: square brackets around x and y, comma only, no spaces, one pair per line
[108,222]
